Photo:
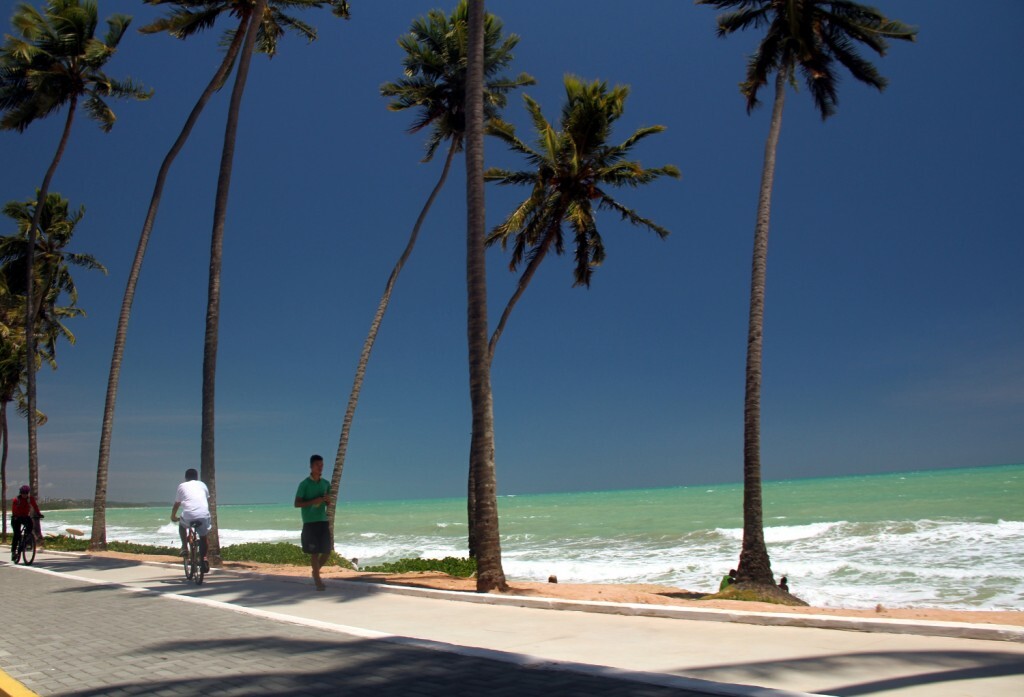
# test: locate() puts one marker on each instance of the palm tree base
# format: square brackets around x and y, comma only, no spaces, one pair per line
[757,592]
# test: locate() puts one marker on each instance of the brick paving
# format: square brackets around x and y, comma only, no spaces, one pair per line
[76,639]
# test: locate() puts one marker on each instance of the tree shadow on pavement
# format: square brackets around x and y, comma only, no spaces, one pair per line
[354,667]
[249,589]
[915,668]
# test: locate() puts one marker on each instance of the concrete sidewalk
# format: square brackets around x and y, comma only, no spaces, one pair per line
[107,626]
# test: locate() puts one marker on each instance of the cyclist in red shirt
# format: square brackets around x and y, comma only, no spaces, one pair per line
[21,515]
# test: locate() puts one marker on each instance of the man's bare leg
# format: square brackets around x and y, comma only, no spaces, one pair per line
[317,561]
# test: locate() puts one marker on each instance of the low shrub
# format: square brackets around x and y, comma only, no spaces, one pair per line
[453,566]
[259,552]
[276,553]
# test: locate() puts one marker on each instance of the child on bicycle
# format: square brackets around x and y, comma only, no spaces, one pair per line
[194,500]
[21,515]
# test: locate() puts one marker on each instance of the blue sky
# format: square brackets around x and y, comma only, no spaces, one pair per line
[895,312]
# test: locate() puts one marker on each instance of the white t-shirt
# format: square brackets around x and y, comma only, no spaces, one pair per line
[193,495]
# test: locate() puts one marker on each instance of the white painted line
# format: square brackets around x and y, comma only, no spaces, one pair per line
[519,659]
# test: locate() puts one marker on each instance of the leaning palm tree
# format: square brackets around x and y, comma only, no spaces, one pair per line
[435,85]
[809,36]
[572,170]
[485,539]
[187,18]
[55,60]
[259,25]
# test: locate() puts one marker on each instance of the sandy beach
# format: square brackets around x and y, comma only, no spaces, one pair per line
[617,593]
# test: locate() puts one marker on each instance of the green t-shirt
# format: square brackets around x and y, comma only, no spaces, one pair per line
[309,490]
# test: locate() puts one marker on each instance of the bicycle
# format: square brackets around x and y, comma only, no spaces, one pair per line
[195,570]
[25,551]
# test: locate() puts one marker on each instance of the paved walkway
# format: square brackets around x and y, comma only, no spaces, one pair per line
[110,627]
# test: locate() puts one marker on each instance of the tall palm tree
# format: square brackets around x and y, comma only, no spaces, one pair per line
[261,24]
[53,281]
[572,170]
[186,19]
[809,36]
[485,538]
[54,60]
[434,84]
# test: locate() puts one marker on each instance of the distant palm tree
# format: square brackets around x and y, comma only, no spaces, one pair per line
[186,19]
[809,36]
[53,282]
[573,168]
[54,60]
[435,85]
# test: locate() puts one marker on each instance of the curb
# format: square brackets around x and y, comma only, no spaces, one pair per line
[954,630]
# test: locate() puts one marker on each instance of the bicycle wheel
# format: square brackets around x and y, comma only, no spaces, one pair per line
[188,559]
[28,552]
[197,562]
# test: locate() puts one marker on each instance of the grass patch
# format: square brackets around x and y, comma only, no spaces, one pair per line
[66,543]
[756,593]
[276,553]
[259,552]
[453,566]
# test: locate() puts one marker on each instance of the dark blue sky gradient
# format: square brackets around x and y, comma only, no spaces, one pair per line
[895,310]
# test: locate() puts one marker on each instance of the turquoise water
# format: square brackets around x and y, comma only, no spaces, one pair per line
[946,538]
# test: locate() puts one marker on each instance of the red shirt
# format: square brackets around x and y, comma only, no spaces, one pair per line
[23,506]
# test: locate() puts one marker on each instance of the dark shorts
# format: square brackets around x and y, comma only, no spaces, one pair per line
[316,538]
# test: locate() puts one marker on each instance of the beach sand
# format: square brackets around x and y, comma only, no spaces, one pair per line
[648,594]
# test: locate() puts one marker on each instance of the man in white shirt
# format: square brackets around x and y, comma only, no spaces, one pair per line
[194,500]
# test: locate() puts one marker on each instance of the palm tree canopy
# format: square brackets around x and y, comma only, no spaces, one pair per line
[810,35]
[435,74]
[53,268]
[572,169]
[55,59]
[190,17]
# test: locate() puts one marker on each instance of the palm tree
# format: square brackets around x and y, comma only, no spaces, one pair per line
[12,372]
[572,170]
[54,281]
[185,20]
[484,539]
[809,36]
[435,85]
[265,24]
[55,59]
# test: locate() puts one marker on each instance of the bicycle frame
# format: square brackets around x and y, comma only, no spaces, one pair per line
[25,551]
[193,561]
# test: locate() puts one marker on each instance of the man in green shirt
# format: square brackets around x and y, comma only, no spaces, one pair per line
[313,497]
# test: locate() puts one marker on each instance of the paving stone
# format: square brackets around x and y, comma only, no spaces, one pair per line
[143,644]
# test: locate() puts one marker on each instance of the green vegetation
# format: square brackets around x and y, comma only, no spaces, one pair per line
[276,553]
[453,566]
[756,593]
[259,552]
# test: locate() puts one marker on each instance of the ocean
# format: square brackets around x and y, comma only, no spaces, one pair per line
[940,538]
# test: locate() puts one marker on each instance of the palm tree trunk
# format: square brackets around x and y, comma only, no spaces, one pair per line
[371,337]
[754,565]
[207,463]
[98,540]
[3,466]
[524,281]
[486,540]
[30,310]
